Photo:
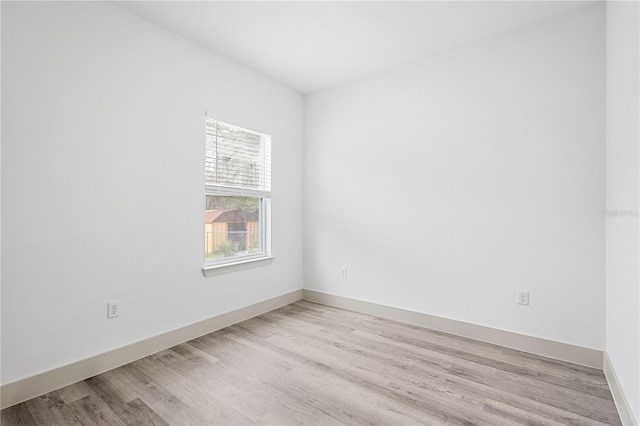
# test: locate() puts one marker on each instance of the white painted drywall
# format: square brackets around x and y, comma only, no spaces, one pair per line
[448,184]
[102,181]
[622,254]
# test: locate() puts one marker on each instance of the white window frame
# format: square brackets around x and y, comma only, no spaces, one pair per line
[264,197]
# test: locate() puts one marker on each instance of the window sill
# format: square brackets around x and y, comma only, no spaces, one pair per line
[209,271]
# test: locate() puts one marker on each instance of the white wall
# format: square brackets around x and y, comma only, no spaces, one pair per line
[448,184]
[102,182]
[622,254]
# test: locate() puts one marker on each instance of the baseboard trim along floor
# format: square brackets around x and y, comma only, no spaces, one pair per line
[535,345]
[25,389]
[22,390]
[622,404]
[307,363]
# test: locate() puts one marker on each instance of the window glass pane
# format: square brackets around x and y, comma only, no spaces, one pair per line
[232,226]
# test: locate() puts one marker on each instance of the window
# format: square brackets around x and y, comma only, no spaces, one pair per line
[237,195]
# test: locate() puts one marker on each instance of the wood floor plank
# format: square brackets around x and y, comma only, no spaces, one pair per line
[51,409]
[74,392]
[137,413]
[203,389]
[312,364]
[516,415]
[91,410]
[18,415]
[169,407]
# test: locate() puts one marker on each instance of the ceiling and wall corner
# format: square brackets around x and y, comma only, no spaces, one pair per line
[310,46]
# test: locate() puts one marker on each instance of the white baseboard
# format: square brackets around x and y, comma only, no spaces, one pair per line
[25,389]
[30,387]
[535,345]
[622,404]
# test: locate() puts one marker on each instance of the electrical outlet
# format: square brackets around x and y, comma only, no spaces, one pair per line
[343,272]
[523,297]
[113,309]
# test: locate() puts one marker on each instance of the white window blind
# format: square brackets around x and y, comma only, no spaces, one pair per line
[237,160]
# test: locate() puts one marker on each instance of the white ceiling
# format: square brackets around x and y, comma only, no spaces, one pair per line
[313,45]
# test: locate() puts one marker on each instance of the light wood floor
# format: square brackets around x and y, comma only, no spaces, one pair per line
[310,364]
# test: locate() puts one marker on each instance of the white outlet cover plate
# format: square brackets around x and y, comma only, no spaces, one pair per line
[113,309]
[523,297]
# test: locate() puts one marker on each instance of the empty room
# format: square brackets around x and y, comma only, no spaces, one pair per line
[320,212]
